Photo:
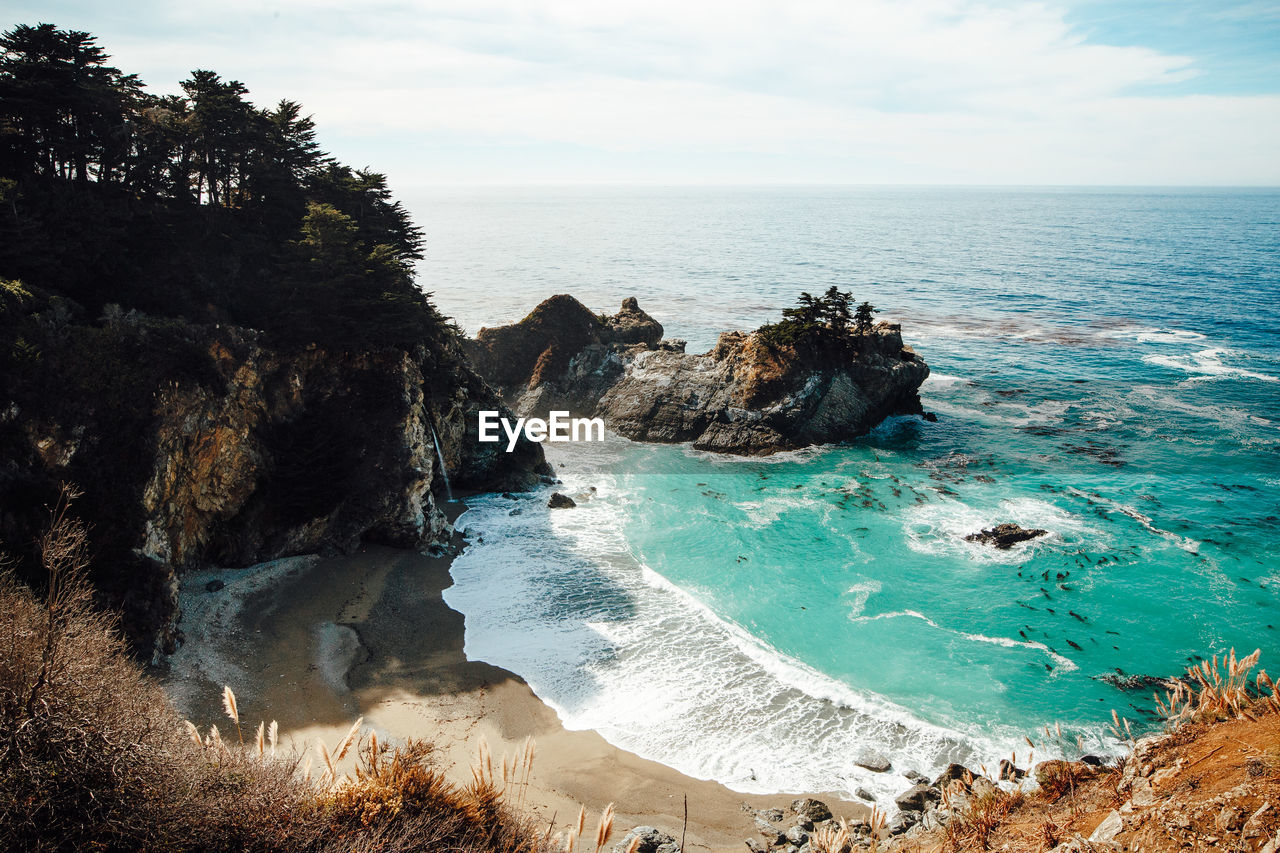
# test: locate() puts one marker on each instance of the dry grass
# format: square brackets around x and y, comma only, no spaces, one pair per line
[972,827]
[832,838]
[93,757]
[1220,690]
[1224,735]
[91,754]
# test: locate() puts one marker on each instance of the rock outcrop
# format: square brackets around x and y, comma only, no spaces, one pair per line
[212,448]
[1005,536]
[745,396]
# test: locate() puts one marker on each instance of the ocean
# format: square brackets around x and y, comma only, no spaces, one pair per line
[1105,365]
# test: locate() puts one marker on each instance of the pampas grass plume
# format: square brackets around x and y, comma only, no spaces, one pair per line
[605,829]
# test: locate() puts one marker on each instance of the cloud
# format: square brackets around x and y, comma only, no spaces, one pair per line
[867,91]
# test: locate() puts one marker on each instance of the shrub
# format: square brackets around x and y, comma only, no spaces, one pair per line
[93,756]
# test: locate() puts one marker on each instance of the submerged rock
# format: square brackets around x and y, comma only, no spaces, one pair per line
[1005,536]
[745,396]
[1139,683]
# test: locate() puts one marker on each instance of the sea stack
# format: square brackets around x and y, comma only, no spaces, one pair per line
[748,395]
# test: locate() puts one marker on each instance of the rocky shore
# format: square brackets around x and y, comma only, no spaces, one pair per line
[745,396]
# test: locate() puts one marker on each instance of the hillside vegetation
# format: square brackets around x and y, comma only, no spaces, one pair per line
[212,328]
[93,757]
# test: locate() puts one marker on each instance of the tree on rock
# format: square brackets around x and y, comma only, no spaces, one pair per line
[835,309]
[820,325]
[862,318]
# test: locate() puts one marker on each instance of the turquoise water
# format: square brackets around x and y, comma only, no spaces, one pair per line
[1106,365]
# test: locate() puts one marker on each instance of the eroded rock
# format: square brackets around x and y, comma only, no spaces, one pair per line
[1004,536]
[744,396]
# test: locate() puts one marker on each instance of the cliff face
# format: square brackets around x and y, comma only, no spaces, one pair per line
[745,396]
[214,449]
[749,398]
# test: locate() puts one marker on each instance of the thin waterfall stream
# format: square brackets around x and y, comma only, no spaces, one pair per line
[444,470]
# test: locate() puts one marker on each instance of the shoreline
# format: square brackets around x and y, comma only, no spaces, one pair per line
[316,642]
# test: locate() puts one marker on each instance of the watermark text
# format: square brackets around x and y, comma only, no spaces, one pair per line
[558,427]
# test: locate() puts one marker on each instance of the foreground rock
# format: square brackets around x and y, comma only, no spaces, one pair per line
[744,396]
[815,810]
[651,840]
[1004,536]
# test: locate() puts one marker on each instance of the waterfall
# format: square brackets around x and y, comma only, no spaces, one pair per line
[444,472]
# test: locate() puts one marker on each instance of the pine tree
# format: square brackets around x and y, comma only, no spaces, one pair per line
[862,320]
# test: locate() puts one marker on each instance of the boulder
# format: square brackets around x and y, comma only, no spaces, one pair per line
[815,810]
[983,786]
[1110,827]
[954,772]
[652,840]
[1055,772]
[903,821]
[771,832]
[1005,536]
[873,761]
[561,501]
[917,798]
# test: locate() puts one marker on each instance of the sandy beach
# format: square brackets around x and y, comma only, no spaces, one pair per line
[317,642]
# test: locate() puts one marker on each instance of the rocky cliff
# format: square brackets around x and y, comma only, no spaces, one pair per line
[746,396]
[197,446]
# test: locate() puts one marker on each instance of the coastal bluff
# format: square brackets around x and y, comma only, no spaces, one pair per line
[197,445]
[747,395]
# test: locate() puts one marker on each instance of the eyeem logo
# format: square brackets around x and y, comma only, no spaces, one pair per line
[559,428]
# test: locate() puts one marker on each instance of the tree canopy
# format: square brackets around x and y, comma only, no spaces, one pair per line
[199,205]
[821,324]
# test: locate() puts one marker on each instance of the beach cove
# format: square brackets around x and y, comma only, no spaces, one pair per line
[317,642]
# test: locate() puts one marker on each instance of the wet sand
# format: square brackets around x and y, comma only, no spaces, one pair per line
[316,642]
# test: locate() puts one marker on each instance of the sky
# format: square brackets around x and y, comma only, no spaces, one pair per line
[445,92]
